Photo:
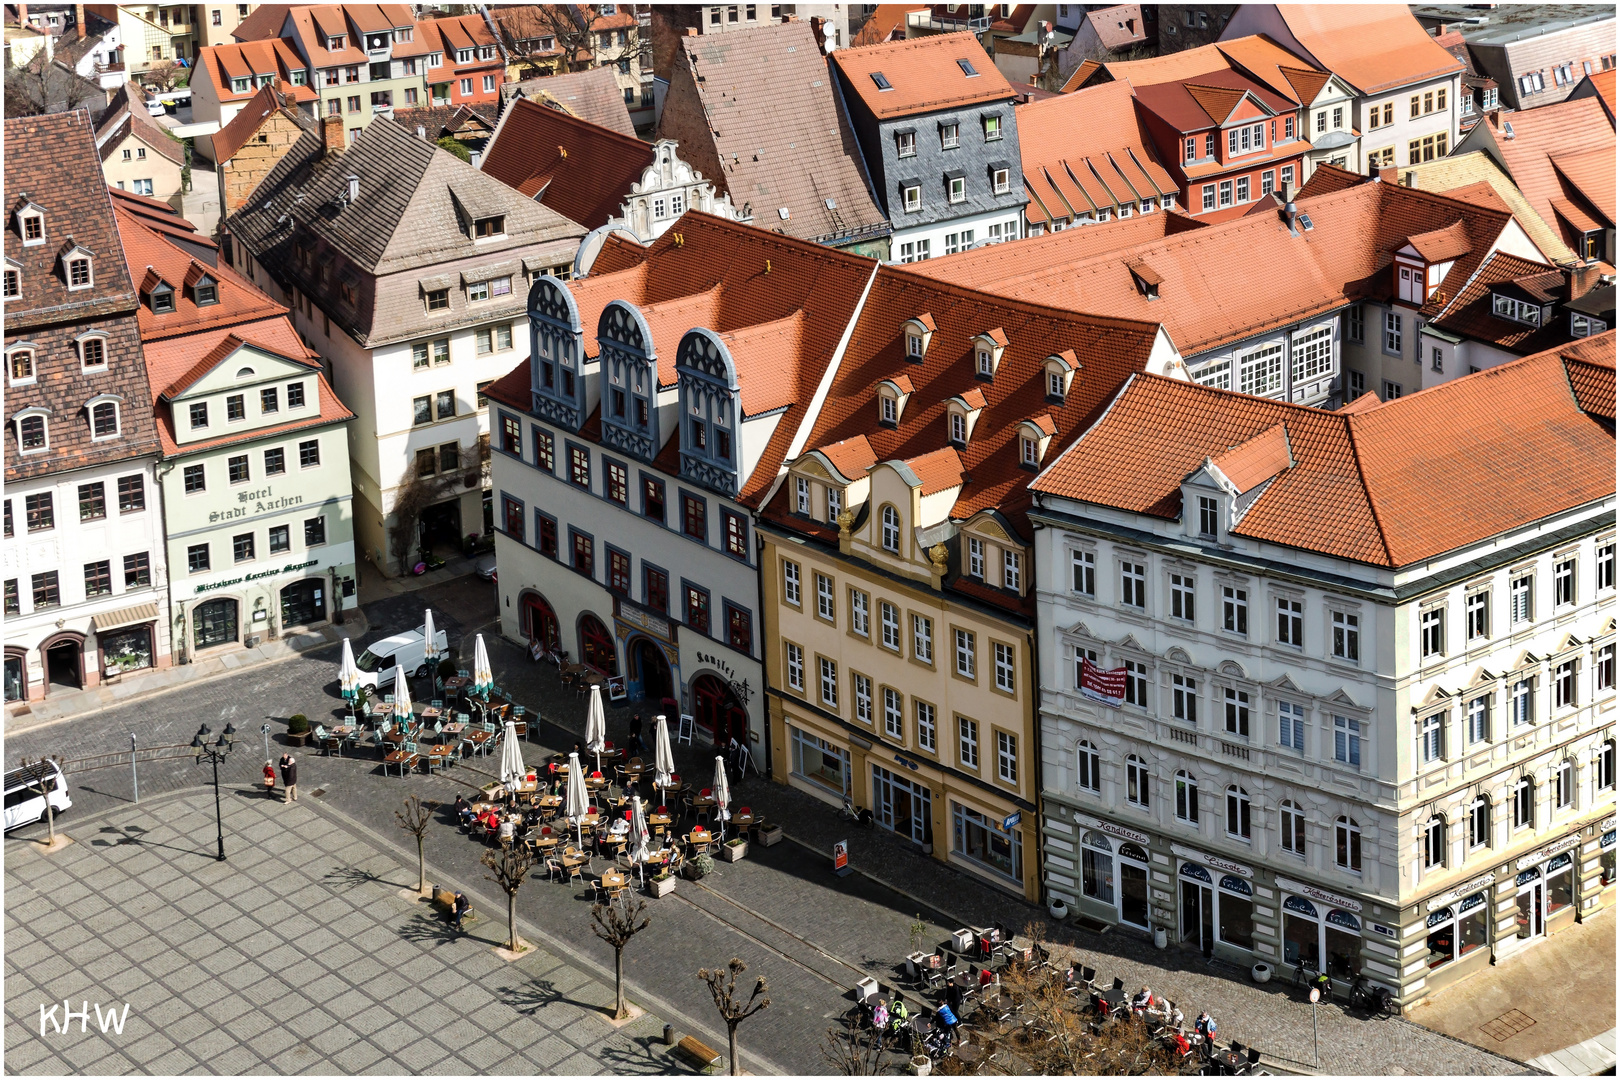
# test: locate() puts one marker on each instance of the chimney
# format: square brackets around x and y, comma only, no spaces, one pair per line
[332,134]
[78,20]
[1288,211]
[1579,279]
[1389,174]
[691,31]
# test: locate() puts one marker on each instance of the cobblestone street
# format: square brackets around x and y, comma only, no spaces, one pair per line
[811,934]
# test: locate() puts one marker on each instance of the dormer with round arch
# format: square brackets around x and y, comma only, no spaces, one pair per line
[987,350]
[961,414]
[891,400]
[1057,375]
[628,362]
[710,411]
[1034,436]
[556,354]
[916,333]
[993,554]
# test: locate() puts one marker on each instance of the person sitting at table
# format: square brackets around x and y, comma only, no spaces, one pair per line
[464,812]
[491,820]
[1142,1002]
[1183,1047]
[621,826]
[506,831]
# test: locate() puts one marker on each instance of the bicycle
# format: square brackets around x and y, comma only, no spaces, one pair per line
[1375,1000]
[1307,978]
[859,815]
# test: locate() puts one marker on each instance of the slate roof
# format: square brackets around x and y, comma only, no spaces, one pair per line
[121,121]
[407,213]
[1234,279]
[776,135]
[924,73]
[578,169]
[592,95]
[1373,47]
[1083,151]
[781,325]
[1388,485]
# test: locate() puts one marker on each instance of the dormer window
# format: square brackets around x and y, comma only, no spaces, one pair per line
[79,275]
[892,395]
[987,350]
[835,504]
[1519,311]
[918,332]
[162,298]
[960,414]
[914,346]
[20,364]
[205,291]
[1059,369]
[1029,452]
[336,43]
[484,228]
[801,502]
[958,428]
[1146,278]
[1033,438]
[887,413]
[31,224]
[238,86]
[104,419]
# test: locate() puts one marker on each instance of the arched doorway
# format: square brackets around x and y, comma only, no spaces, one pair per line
[539,620]
[64,663]
[716,709]
[303,602]
[596,645]
[650,668]
[214,623]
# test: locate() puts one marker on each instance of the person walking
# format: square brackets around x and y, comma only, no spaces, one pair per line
[289,777]
[269,780]
[636,747]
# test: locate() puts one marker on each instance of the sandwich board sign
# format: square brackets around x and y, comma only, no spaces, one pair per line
[841,858]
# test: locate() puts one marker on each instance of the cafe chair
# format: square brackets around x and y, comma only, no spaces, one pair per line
[436,703]
[477,830]
[1254,1058]
[1119,983]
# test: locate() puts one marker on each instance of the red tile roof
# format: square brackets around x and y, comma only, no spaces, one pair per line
[582,171]
[151,256]
[1207,100]
[1257,57]
[938,470]
[234,135]
[924,74]
[1602,85]
[1471,315]
[250,59]
[884,23]
[851,456]
[989,266]
[1389,485]
[1373,47]
[1234,279]
[1578,134]
[1083,151]
[1251,463]
[1440,245]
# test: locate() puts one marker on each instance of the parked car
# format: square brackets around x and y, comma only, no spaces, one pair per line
[155,107]
[485,566]
[405,650]
[24,803]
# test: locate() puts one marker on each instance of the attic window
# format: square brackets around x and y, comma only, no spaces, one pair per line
[205,292]
[78,273]
[914,346]
[335,42]
[882,81]
[1305,222]
[967,68]
[33,228]
[13,283]
[1519,311]
[162,297]
[1029,451]
[490,226]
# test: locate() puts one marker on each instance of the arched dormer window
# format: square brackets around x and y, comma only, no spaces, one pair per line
[1033,438]
[891,530]
[891,398]
[556,353]
[1058,373]
[917,333]
[961,413]
[629,366]
[711,411]
[987,350]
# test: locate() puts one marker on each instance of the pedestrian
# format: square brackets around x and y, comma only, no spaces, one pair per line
[269,781]
[637,747]
[289,777]
[1205,1027]
[458,909]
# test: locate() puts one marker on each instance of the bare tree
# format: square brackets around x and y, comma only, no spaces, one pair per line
[616,923]
[415,819]
[510,868]
[42,781]
[574,31]
[853,1050]
[44,87]
[165,76]
[733,1009]
[416,495]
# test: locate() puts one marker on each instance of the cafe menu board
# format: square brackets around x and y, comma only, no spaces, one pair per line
[841,857]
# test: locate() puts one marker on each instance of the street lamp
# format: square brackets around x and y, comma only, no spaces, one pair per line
[216,753]
[264,729]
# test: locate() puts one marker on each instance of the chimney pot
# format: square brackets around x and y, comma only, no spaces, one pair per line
[332,134]
[691,31]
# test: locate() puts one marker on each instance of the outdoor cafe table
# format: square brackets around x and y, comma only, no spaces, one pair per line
[454,729]
[612,881]
[700,839]
[658,819]
[430,713]
[593,784]
[456,682]
[544,843]
[527,787]
[403,758]
[703,802]
[744,821]
[484,806]
[478,738]
[1112,998]
[1229,1062]
[440,752]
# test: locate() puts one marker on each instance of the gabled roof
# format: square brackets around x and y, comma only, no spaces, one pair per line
[582,171]
[1207,100]
[1256,460]
[121,121]
[755,112]
[592,95]
[1255,56]
[1471,314]
[152,255]
[263,21]
[1599,84]
[884,23]
[781,324]
[234,135]
[1451,175]
[407,214]
[1575,132]
[1373,47]
[1440,245]
[1234,279]
[478,118]
[1083,151]
[1388,485]
[924,74]
[249,59]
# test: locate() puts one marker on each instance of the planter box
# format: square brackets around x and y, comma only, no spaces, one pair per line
[733,852]
[657,888]
[691,872]
[298,739]
[770,835]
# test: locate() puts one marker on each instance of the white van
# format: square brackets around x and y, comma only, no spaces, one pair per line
[24,803]
[405,650]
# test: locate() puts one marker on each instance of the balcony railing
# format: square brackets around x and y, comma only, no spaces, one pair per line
[926,21]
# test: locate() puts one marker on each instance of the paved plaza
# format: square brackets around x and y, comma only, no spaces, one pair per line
[811,934]
[297,955]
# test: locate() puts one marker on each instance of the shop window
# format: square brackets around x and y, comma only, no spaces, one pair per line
[980,839]
[1236,922]
[820,762]
[1097,867]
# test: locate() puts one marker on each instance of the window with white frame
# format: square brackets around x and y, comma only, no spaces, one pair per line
[1604,578]
[975,548]
[1564,785]
[1260,370]
[1392,333]
[1184,698]
[889,620]
[1186,797]
[826,608]
[894,717]
[1182,590]
[1521,597]
[801,495]
[891,530]
[795,667]
[1238,824]
[1564,693]
[1524,803]
[1235,610]
[1133,585]
[1479,822]
[1007,757]
[1477,614]
[967,742]
[829,683]
[860,613]
[1434,842]
[1432,738]
[926,734]
[1291,726]
[1347,844]
[965,653]
[1603,668]
[1138,782]
[1313,353]
[1084,567]
[1004,668]
[1290,622]
[1291,827]
[1564,581]
[835,504]
[1012,570]
[1522,702]
[1432,631]
[1088,768]
[863,698]
[1209,517]
[790,582]
[922,638]
[1136,683]
[1477,723]
[1081,655]
[1346,636]
[1237,712]
[1603,767]
[1347,741]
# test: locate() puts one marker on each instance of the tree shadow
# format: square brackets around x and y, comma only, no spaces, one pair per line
[134,834]
[537,994]
[349,877]
[436,930]
[640,1057]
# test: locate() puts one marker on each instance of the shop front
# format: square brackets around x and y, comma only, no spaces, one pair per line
[1215,904]
[1114,872]
[126,639]
[1319,927]
[1544,890]
[226,608]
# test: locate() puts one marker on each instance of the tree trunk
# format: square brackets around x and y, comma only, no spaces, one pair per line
[731,1033]
[618,982]
[421,867]
[511,919]
[50,820]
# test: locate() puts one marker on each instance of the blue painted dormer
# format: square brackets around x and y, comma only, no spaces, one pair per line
[710,412]
[556,354]
[629,366]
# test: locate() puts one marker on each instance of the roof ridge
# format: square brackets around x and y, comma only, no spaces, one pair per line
[1348,420]
[1027,307]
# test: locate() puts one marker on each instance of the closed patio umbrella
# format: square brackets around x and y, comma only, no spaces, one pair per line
[483,679]
[512,767]
[348,673]
[576,801]
[596,726]
[663,756]
[402,696]
[639,837]
[430,655]
[722,794]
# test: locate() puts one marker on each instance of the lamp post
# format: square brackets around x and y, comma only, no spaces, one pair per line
[216,753]
[264,729]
